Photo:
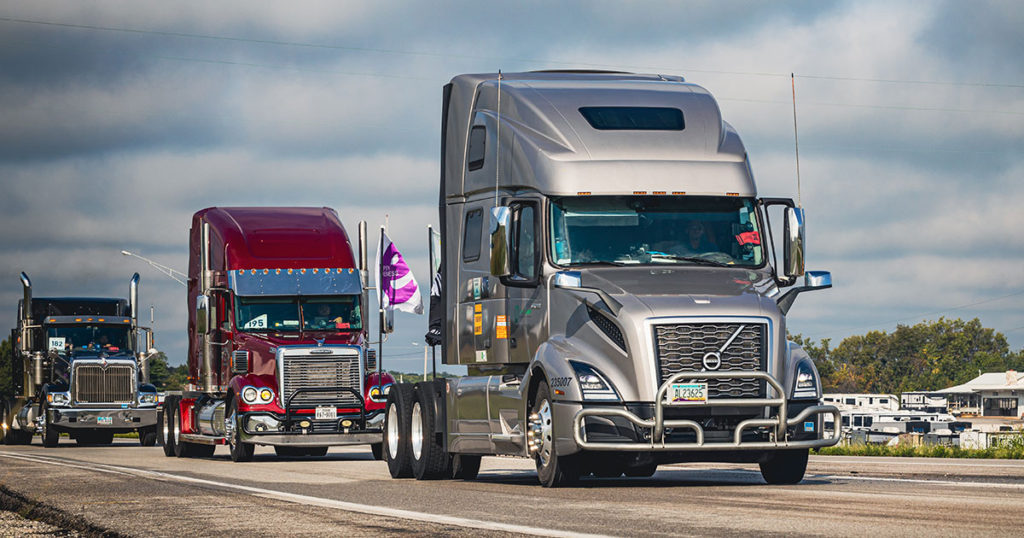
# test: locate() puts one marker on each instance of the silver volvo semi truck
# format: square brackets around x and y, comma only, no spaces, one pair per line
[610,280]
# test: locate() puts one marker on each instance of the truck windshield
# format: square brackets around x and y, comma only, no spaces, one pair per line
[649,230]
[66,338]
[285,314]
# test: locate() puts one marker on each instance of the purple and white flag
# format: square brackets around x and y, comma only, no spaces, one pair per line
[398,289]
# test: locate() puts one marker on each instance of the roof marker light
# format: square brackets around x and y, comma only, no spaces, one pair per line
[583,193]
[277,271]
[678,192]
[639,192]
[289,271]
[315,270]
[327,270]
[658,192]
[732,194]
[266,271]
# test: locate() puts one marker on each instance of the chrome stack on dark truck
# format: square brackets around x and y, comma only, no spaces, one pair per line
[77,368]
[610,281]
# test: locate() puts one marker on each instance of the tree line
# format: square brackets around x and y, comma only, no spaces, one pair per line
[931,355]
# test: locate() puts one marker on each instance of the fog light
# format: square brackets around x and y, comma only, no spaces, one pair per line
[304,424]
[346,423]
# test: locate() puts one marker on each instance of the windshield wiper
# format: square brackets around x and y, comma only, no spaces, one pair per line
[692,259]
[598,262]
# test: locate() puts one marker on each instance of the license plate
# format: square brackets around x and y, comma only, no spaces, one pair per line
[326,413]
[684,393]
[104,420]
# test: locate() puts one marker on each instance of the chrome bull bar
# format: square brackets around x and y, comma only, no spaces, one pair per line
[658,424]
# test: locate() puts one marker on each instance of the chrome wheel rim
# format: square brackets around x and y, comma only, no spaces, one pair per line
[229,427]
[177,428]
[416,431]
[541,442]
[163,426]
[392,431]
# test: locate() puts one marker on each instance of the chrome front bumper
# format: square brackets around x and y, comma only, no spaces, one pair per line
[778,424]
[113,419]
[372,433]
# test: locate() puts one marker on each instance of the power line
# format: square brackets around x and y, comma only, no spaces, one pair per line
[275,42]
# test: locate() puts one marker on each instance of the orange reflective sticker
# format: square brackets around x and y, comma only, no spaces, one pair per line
[478,324]
[501,327]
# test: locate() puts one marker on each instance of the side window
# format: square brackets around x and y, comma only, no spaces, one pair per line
[477,147]
[471,235]
[525,240]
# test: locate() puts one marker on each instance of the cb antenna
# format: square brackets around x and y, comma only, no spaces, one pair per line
[796,141]
[497,147]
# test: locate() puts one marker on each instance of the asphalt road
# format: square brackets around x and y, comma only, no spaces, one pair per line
[137,491]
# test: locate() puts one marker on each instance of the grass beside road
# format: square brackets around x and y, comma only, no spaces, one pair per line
[1013,450]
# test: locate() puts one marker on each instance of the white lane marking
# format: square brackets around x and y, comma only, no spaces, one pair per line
[996,485]
[993,485]
[982,464]
[314,501]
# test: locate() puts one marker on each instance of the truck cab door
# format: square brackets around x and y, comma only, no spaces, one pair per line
[526,298]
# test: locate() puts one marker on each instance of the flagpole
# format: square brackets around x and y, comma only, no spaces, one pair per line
[380,308]
[430,274]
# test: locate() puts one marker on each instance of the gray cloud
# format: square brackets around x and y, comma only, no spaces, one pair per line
[112,139]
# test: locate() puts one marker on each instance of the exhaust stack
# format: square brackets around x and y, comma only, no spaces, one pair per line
[26,313]
[133,299]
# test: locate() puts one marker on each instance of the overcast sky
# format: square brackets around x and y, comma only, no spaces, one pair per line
[122,118]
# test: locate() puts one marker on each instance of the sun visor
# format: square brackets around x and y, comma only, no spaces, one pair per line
[292,282]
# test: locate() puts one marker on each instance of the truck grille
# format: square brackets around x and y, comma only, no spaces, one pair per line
[682,347]
[93,383]
[317,372]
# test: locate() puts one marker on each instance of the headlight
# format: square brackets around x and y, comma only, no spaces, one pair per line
[379,394]
[266,395]
[147,398]
[593,385]
[250,395]
[806,385]
[58,398]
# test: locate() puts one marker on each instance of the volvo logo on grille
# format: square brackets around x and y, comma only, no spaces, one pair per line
[712,360]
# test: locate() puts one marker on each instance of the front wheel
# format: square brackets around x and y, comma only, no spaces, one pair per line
[51,437]
[552,470]
[785,467]
[240,451]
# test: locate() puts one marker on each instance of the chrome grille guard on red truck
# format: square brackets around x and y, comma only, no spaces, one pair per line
[778,425]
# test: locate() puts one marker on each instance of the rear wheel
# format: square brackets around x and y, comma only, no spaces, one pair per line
[552,470]
[785,467]
[183,448]
[167,422]
[377,449]
[51,437]
[429,461]
[397,416]
[147,436]
[240,451]
[5,424]
[465,466]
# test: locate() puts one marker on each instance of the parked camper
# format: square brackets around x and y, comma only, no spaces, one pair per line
[77,368]
[609,284]
[277,337]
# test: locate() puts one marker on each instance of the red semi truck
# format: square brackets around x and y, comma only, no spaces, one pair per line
[278,349]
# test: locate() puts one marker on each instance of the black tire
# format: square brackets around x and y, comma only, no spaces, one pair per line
[430,462]
[12,436]
[785,467]
[240,451]
[552,470]
[147,436]
[183,448]
[50,436]
[167,426]
[642,471]
[397,415]
[465,466]
[377,449]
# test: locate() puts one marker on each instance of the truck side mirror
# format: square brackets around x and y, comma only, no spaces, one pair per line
[202,314]
[501,241]
[793,246]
